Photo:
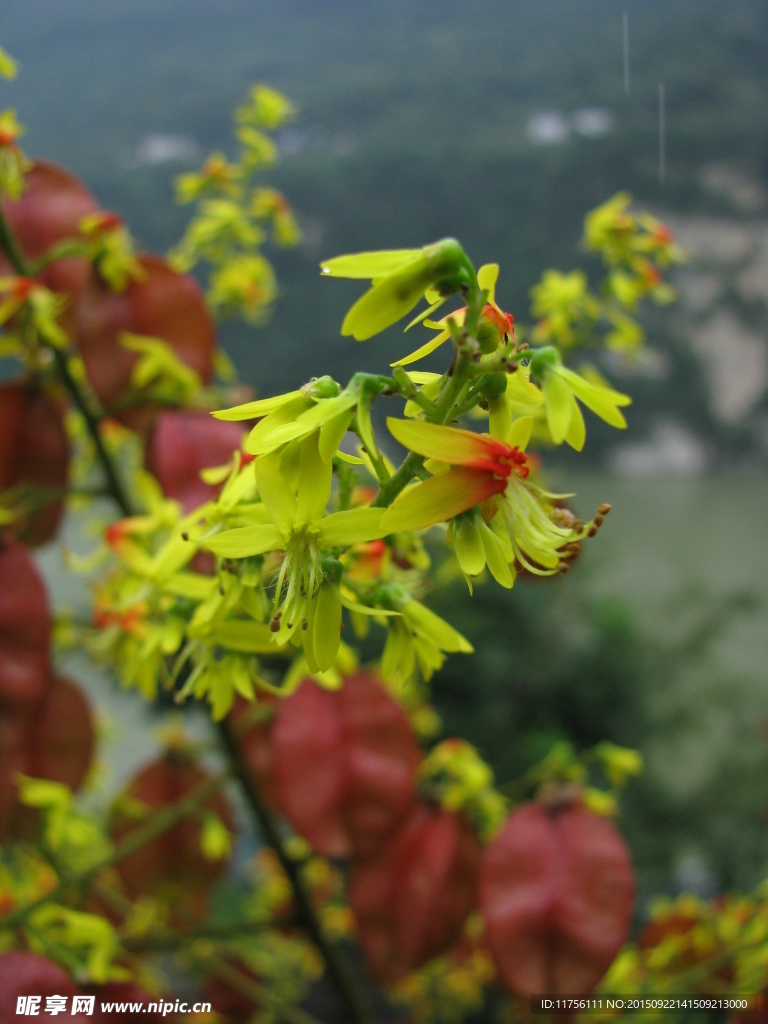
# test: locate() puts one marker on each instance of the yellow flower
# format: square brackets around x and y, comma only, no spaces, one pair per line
[489,476]
[307,604]
[562,387]
[495,325]
[399,277]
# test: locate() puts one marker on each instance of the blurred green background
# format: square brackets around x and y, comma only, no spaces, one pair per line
[503,123]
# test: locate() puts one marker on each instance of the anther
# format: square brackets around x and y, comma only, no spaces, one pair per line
[604,509]
[185,535]
[592,531]
[598,520]
[274,625]
[304,624]
[563,568]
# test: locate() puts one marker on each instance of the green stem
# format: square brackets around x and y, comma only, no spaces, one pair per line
[338,971]
[10,243]
[443,411]
[161,821]
[58,252]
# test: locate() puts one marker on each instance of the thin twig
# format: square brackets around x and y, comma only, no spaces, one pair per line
[10,244]
[338,972]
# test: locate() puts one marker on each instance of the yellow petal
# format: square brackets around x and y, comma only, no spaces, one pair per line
[387,301]
[277,496]
[468,544]
[499,416]
[448,444]
[367,265]
[254,410]
[440,498]
[602,401]
[576,433]
[424,350]
[326,625]
[244,635]
[245,541]
[429,625]
[434,304]
[277,428]
[487,276]
[519,433]
[560,404]
[331,434]
[498,556]
[354,526]
[314,482]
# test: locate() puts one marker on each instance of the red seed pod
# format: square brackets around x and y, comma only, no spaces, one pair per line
[27,974]
[411,901]
[183,443]
[49,211]
[164,304]
[25,632]
[345,764]
[34,451]
[62,739]
[256,740]
[557,890]
[14,758]
[175,859]
[55,743]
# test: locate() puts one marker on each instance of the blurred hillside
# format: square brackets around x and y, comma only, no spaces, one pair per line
[500,122]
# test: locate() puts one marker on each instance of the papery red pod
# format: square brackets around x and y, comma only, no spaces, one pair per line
[412,899]
[14,758]
[27,974]
[164,304]
[49,211]
[34,451]
[25,632]
[56,743]
[345,764]
[62,739]
[557,890]
[173,861]
[256,741]
[184,442]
